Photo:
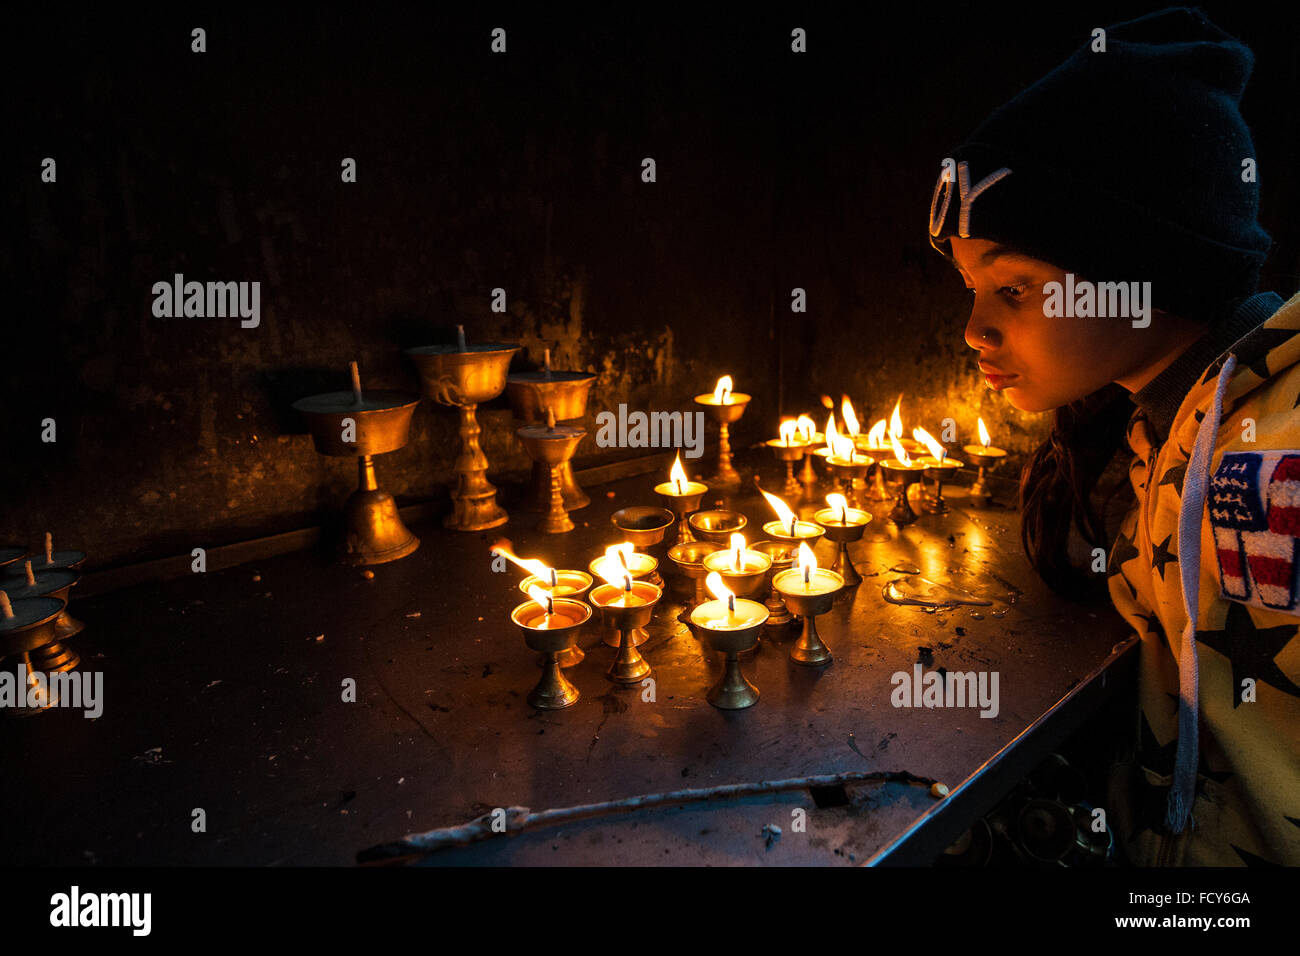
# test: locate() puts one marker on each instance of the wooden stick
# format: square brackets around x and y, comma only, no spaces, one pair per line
[518,819]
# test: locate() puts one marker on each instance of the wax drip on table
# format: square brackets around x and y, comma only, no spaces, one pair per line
[922,592]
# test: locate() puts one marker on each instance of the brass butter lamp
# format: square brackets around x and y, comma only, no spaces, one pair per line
[549,626]
[356,425]
[730,626]
[464,376]
[725,407]
[564,395]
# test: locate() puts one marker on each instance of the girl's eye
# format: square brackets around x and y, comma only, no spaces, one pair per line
[1013,291]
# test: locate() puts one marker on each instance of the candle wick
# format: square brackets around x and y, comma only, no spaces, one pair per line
[731,603]
[550,606]
[31,578]
[806,572]
[623,560]
[792,526]
[5,605]
[679,485]
[460,338]
[844,515]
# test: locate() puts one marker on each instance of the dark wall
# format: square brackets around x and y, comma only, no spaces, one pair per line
[477,171]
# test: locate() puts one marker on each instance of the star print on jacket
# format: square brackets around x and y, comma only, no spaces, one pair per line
[1251,650]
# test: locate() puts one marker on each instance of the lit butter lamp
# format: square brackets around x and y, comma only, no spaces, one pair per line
[730,625]
[847,463]
[681,497]
[787,527]
[908,471]
[624,605]
[807,432]
[985,454]
[552,446]
[550,625]
[809,591]
[789,448]
[564,394]
[876,442]
[937,466]
[620,559]
[464,376]
[743,570]
[565,584]
[27,635]
[843,525]
[356,425]
[724,406]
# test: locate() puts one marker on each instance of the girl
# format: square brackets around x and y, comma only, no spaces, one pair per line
[1105,219]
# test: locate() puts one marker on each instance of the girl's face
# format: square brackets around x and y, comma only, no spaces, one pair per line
[1040,362]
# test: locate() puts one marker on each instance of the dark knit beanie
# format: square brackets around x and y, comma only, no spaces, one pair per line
[1125,165]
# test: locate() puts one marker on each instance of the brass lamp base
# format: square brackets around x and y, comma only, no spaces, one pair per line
[538,496]
[374,532]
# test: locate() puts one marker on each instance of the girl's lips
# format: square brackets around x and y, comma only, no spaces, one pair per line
[999,382]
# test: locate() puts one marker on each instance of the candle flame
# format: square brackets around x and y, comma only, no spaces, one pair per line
[841,447]
[928,440]
[805,560]
[984,433]
[788,429]
[678,474]
[783,512]
[543,598]
[896,419]
[615,575]
[722,391]
[876,437]
[717,586]
[828,402]
[850,419]
[619,555]
[807,427]
[832,433]
[531,565]
[900,453]
[737,546]
[838,503]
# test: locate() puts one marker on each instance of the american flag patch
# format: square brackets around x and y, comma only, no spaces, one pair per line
[1254,504]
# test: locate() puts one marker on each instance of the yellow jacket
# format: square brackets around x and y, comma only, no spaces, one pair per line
[1244,674]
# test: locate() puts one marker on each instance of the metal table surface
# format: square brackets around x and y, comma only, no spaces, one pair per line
[224,692]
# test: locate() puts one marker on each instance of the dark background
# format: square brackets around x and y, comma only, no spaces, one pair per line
[476,170]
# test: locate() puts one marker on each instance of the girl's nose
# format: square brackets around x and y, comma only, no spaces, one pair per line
[980,333]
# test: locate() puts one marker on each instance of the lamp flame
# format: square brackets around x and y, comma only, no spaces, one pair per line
[615,575]
[984,433]
[900,453]
[717,586]
[722,391]
[788,429]
[896,419]
[928,440]
[737,546]
[783,512]
[850,419]
[678,474]
[807,427]
[831,433]
[838,502]
[531,565]
[805,561]
[543,598]
[876,437]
